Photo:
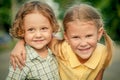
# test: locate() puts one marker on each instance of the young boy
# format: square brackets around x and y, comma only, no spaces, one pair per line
[35,23]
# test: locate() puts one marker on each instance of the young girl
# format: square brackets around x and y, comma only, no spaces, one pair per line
[34,23]
[80,55]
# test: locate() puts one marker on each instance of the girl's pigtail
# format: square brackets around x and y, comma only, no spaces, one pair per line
[109,45]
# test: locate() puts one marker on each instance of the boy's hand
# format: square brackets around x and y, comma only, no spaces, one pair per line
[18,55]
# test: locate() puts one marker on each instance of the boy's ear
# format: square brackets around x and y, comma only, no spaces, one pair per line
[22,35]
[100,33]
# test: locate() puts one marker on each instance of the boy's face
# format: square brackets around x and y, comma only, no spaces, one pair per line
[82,37]
[38,30]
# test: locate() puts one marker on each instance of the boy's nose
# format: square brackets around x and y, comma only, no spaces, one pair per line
[38,34]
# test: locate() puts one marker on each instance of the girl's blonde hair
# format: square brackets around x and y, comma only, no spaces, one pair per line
[85,12]
[17,29]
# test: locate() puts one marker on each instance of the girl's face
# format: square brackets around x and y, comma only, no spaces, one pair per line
[82,37]
[38,31]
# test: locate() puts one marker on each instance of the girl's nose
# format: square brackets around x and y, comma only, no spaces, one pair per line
[83,43]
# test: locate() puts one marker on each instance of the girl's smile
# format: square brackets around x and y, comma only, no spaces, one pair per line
[82,36]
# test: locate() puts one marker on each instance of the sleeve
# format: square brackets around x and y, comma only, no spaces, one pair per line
[55,46]
[17,74]
[62,49]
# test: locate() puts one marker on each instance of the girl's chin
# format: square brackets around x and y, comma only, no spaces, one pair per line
[85,58]
[85,55]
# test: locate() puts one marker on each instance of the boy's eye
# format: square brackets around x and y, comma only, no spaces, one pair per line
[30,29]
[44,28]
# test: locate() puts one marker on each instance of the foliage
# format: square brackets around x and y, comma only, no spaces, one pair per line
[5,14]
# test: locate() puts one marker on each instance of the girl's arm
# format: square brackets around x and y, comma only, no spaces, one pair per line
[18,55]
[100,75]
[54,44]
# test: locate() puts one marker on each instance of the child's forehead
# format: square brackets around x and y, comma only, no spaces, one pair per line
[80,25]
[81,22]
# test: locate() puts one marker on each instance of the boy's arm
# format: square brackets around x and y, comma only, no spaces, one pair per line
[18,55]
[100,75]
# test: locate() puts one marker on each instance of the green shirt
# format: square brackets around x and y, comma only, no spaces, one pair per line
[36,67]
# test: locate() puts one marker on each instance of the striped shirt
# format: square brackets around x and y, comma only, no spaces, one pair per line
[36,68]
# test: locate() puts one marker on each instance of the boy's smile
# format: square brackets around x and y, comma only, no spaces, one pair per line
[38,30]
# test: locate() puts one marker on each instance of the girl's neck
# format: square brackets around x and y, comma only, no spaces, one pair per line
[82,61]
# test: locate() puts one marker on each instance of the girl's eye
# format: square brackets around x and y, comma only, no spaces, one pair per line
[89,35]
[75,37]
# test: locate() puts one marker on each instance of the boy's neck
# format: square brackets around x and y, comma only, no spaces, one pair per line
[42,52]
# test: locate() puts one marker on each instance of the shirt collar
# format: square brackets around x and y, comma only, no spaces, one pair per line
[71,57]
[96,56]
[34,55]
[31,52]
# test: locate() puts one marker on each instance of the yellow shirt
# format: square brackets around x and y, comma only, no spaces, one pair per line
[71,69]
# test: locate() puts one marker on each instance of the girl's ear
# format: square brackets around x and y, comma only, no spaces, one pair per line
[100,33]
[65,36]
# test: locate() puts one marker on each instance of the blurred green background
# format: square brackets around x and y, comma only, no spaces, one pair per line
[110,10]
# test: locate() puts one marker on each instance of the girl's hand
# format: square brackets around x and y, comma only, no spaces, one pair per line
[18,55]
